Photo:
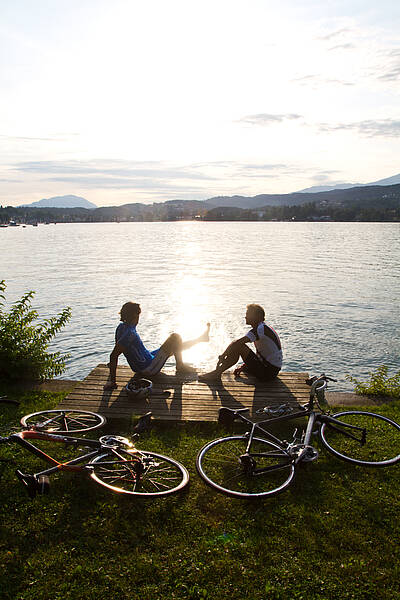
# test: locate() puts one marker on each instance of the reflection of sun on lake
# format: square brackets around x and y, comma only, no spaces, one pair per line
[193,310]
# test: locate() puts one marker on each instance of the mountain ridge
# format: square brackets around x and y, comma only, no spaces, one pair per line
[69,201]
[342,186]
[379,190]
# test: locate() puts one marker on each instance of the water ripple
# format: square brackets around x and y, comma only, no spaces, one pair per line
[330,289]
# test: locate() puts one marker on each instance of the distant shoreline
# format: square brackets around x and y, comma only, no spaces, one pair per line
[376,203]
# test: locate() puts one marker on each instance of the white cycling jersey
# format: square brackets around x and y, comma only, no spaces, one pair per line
[267,343]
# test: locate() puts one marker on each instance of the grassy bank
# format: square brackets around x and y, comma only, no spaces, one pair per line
[331,535]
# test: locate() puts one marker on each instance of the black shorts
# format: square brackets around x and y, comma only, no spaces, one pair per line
[259,368]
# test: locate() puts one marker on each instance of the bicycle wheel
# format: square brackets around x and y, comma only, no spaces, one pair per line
[63,421]
[139,474]
[220,466]
[376,442]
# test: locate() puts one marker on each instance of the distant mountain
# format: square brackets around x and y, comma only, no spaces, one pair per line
[315,189]
[388,181]
[353,194]
[343,186]
[62,202]
[379,203]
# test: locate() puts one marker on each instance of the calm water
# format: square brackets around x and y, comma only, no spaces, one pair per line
[330,289]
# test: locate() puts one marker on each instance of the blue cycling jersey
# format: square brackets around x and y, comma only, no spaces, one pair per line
[135,352]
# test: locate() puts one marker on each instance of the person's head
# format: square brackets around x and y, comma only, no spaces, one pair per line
[254,314]
[130,313]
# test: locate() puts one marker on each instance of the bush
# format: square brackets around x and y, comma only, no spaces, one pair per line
[23,344]
[379,384]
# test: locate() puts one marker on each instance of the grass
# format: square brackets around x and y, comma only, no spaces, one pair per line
[332,534]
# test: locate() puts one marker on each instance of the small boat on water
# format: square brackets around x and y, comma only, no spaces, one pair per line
[3,225]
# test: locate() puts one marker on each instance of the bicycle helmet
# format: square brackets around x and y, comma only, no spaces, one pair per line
[139,389]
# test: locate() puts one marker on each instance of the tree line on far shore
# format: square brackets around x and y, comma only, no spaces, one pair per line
[386,210]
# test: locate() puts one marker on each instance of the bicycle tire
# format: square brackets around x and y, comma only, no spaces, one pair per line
[382,444]
[218,464]
[117,472]
[63,421]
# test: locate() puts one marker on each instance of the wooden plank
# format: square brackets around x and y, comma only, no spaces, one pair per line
[183,397]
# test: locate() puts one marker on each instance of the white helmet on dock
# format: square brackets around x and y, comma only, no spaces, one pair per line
[139,389]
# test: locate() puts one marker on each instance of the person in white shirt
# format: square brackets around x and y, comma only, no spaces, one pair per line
[265,363]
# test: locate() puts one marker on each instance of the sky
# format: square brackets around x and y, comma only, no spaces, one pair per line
[129,101]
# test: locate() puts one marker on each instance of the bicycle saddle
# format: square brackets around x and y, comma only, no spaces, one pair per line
[226,416]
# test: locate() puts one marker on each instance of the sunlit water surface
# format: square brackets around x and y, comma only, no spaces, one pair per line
[331,290]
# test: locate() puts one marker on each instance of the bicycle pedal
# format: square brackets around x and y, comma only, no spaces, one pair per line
[43,484]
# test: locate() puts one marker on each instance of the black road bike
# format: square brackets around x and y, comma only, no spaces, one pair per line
[112,461]
[259,464]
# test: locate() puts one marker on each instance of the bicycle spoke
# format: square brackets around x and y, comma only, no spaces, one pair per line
[149,474]
[63,421]
[225,465]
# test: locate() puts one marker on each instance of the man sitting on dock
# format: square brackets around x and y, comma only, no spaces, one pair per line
[265,363]
[140,359]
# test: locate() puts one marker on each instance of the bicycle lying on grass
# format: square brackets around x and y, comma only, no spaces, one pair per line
[112,461]
[247,466]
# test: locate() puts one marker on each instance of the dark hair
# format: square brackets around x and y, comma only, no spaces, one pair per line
[129,310]
[257,310]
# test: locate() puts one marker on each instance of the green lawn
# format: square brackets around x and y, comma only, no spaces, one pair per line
[333,534]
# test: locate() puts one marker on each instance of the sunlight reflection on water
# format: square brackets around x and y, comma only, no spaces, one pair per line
[330,289]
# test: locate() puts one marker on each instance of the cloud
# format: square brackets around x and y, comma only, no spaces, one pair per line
[262,171]
[316,81]
[368,128]
[20,138]
[265,119]
[390,69]
[127,184]
[152,177]
[113,172]
[348,46]
[334,34]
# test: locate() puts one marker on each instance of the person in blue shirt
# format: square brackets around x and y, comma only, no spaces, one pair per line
[140,359]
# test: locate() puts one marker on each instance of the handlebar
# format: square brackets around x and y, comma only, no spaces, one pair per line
[322,377]
[318,386]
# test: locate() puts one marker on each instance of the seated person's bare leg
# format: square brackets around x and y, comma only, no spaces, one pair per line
[226,360]
[175,346]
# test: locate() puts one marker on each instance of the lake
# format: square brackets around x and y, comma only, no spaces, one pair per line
[331,290]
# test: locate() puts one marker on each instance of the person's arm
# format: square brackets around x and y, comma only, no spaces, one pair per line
[112,383]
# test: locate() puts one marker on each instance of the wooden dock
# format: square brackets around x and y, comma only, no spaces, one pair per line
[183,398]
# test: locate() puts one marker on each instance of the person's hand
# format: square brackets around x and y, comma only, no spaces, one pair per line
[110,385]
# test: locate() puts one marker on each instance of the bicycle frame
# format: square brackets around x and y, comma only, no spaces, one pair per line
[71,465]
[295,451]
[112,461]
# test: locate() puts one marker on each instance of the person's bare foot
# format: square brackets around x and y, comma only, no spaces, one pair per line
[206,335]
[185,369]
[211,376]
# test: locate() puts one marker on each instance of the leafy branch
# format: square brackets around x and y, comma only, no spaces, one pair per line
[24,343]
[379,384]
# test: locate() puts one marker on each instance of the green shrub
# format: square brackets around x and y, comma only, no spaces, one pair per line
[23,343]
[379,384]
